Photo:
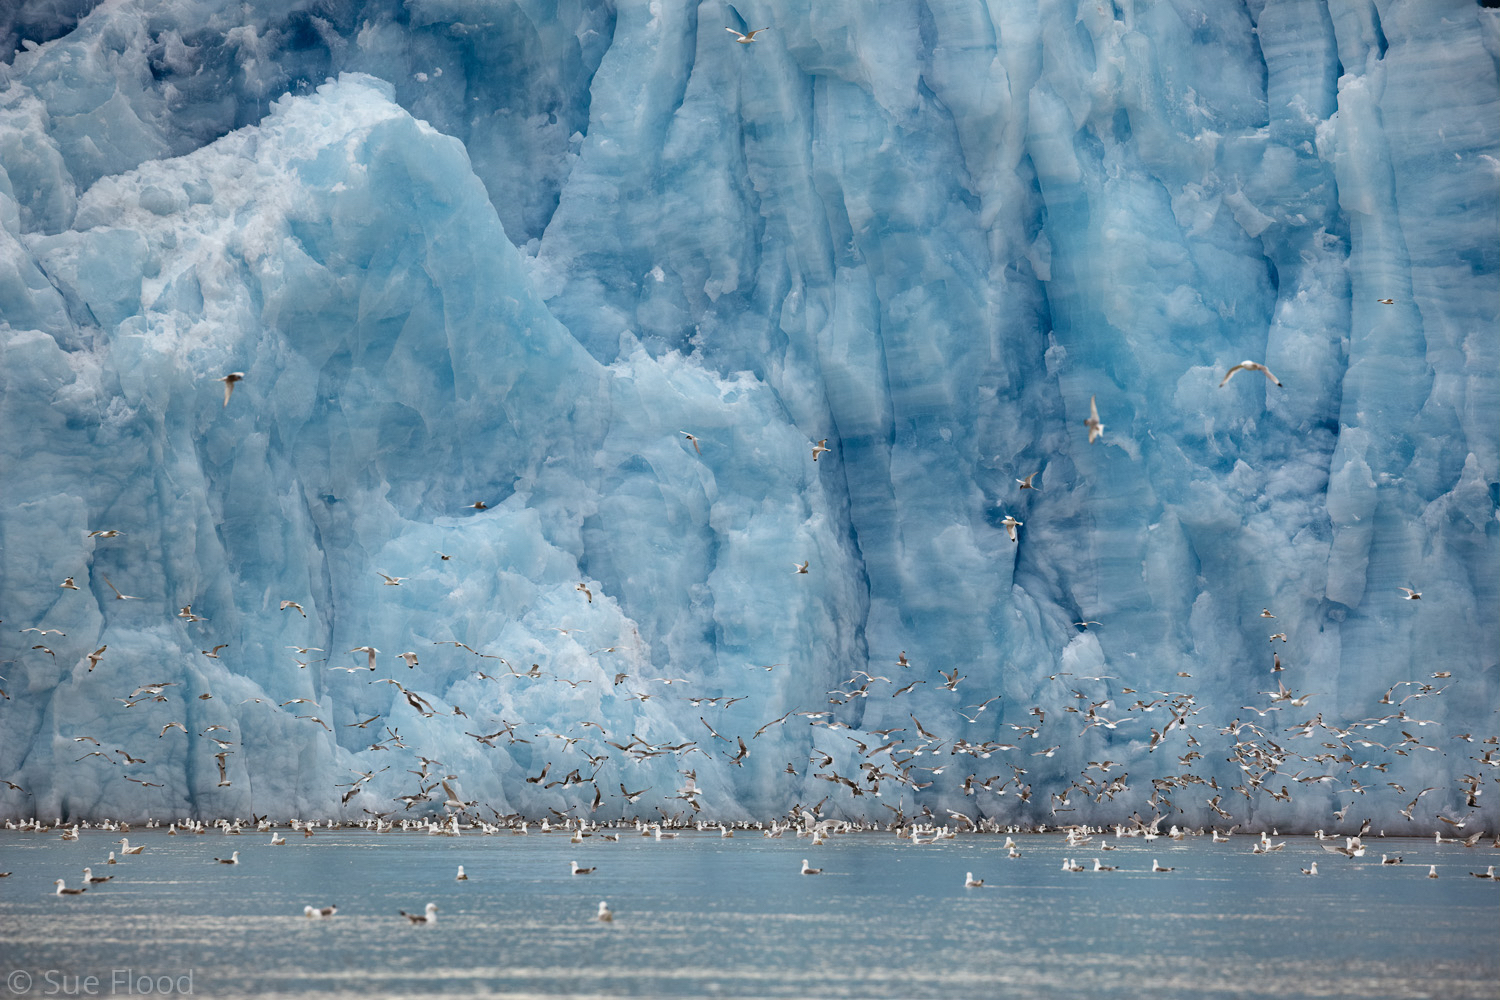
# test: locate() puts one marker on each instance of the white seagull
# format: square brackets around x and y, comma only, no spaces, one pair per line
[429,918]
[1096,429]
[744,38]
[1249,366]
[229,381]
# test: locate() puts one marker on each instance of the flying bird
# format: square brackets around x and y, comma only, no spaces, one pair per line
[1026,483]
[229,381]
[1412,595]
[820,448]
[1011,524]
[391,581]
[369,651]
[1249,366]
[293,604]
[694,439]
[1096,429]
[118,596]
[745,37]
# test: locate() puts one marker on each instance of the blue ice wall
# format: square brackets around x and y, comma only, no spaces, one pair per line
[515,253]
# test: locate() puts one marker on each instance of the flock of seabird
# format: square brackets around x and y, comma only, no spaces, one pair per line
[1259,752]
[1075,838]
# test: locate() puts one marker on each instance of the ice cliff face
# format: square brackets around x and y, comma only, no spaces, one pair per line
[612,275]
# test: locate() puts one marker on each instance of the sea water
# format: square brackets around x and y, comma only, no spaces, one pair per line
[704,916]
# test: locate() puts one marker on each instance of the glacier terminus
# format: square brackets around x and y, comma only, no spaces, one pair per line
[576,404]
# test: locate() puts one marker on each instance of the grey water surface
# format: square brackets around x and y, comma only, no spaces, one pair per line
[703,916]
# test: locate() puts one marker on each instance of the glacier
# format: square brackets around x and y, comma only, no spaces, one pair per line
[603,271]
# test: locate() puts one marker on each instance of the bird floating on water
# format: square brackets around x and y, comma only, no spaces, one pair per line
[63,890]
[970,882]
[809,870]
[233,859]
[605,913]
[429,917]
[319,912]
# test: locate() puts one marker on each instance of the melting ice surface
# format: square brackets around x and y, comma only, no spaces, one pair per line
[515,253]
[700,916]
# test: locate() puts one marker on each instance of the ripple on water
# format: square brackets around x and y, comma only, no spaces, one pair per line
[700,916]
